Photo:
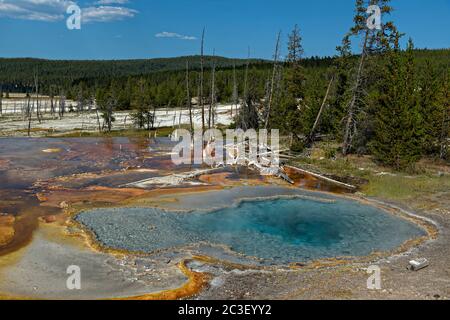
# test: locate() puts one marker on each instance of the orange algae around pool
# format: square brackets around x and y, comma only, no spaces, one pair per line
[58,198]
[196,282]
[6,229]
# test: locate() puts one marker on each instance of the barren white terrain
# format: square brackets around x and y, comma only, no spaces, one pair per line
[13,121]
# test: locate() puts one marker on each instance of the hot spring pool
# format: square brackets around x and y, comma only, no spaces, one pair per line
[281,230]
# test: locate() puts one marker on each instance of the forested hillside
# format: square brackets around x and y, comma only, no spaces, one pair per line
[385,101]
[165,77]
[22,70]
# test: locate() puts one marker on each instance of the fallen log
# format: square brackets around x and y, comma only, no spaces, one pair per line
[323,178]
[171,180]
[271,171]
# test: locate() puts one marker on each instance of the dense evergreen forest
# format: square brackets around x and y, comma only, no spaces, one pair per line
[385,101]
[165,78]
[20,71]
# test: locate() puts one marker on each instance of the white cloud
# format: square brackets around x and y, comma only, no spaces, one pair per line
[55,10]
[39,10]
[106,13]
[111,2]
[166,34]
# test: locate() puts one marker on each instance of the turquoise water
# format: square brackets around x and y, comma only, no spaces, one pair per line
[282,230]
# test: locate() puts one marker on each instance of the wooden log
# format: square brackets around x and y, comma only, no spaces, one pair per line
[323,178]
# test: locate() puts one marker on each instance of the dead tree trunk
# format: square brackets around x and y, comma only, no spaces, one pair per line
[235,97]
[52,103]
[247,65]
[36,85]
[62,104]
[201,80]
[243,112]
[211,120]
[180,116]
[1,99]
[351,121]
[29,113]
[98,121]
[444,141]
[188,98]
[80,101]
[272,84]
[154,116]
[311,137]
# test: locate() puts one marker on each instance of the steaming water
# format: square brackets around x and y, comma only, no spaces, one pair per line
[282,230]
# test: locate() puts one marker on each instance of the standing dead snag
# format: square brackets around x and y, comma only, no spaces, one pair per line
[188,98]
[211,119]
[62,104]
[311,137]
[29,113]
[52,100]
[350,123]
[202,104]
[36,86]
[272,83]
[1,99]
[80,100]
[247,64]
[235,96]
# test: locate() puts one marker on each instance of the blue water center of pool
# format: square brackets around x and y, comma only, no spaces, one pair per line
[281,230]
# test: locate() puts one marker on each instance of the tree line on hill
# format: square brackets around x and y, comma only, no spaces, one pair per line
[384,101]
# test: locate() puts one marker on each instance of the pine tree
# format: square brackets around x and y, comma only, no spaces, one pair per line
[247,116]
[295,77]
[397,126]
[431,108]
[142,116]
[444,103]
[343,65]
[107,103]
[287,116]
[374,42]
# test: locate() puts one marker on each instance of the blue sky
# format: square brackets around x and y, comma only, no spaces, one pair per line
[127,29]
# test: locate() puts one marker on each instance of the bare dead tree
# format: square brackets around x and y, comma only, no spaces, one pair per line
[272,84]
[241,115]
[62,104]
[36,86]
[211,118]
[80,100]
[98,121]
[202,104]
[90,102]
[312,134]
[180,116]
[1,99]
[52,100]
[235,96]
[188,98]
[356,92]
[247,65]
[29,113]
